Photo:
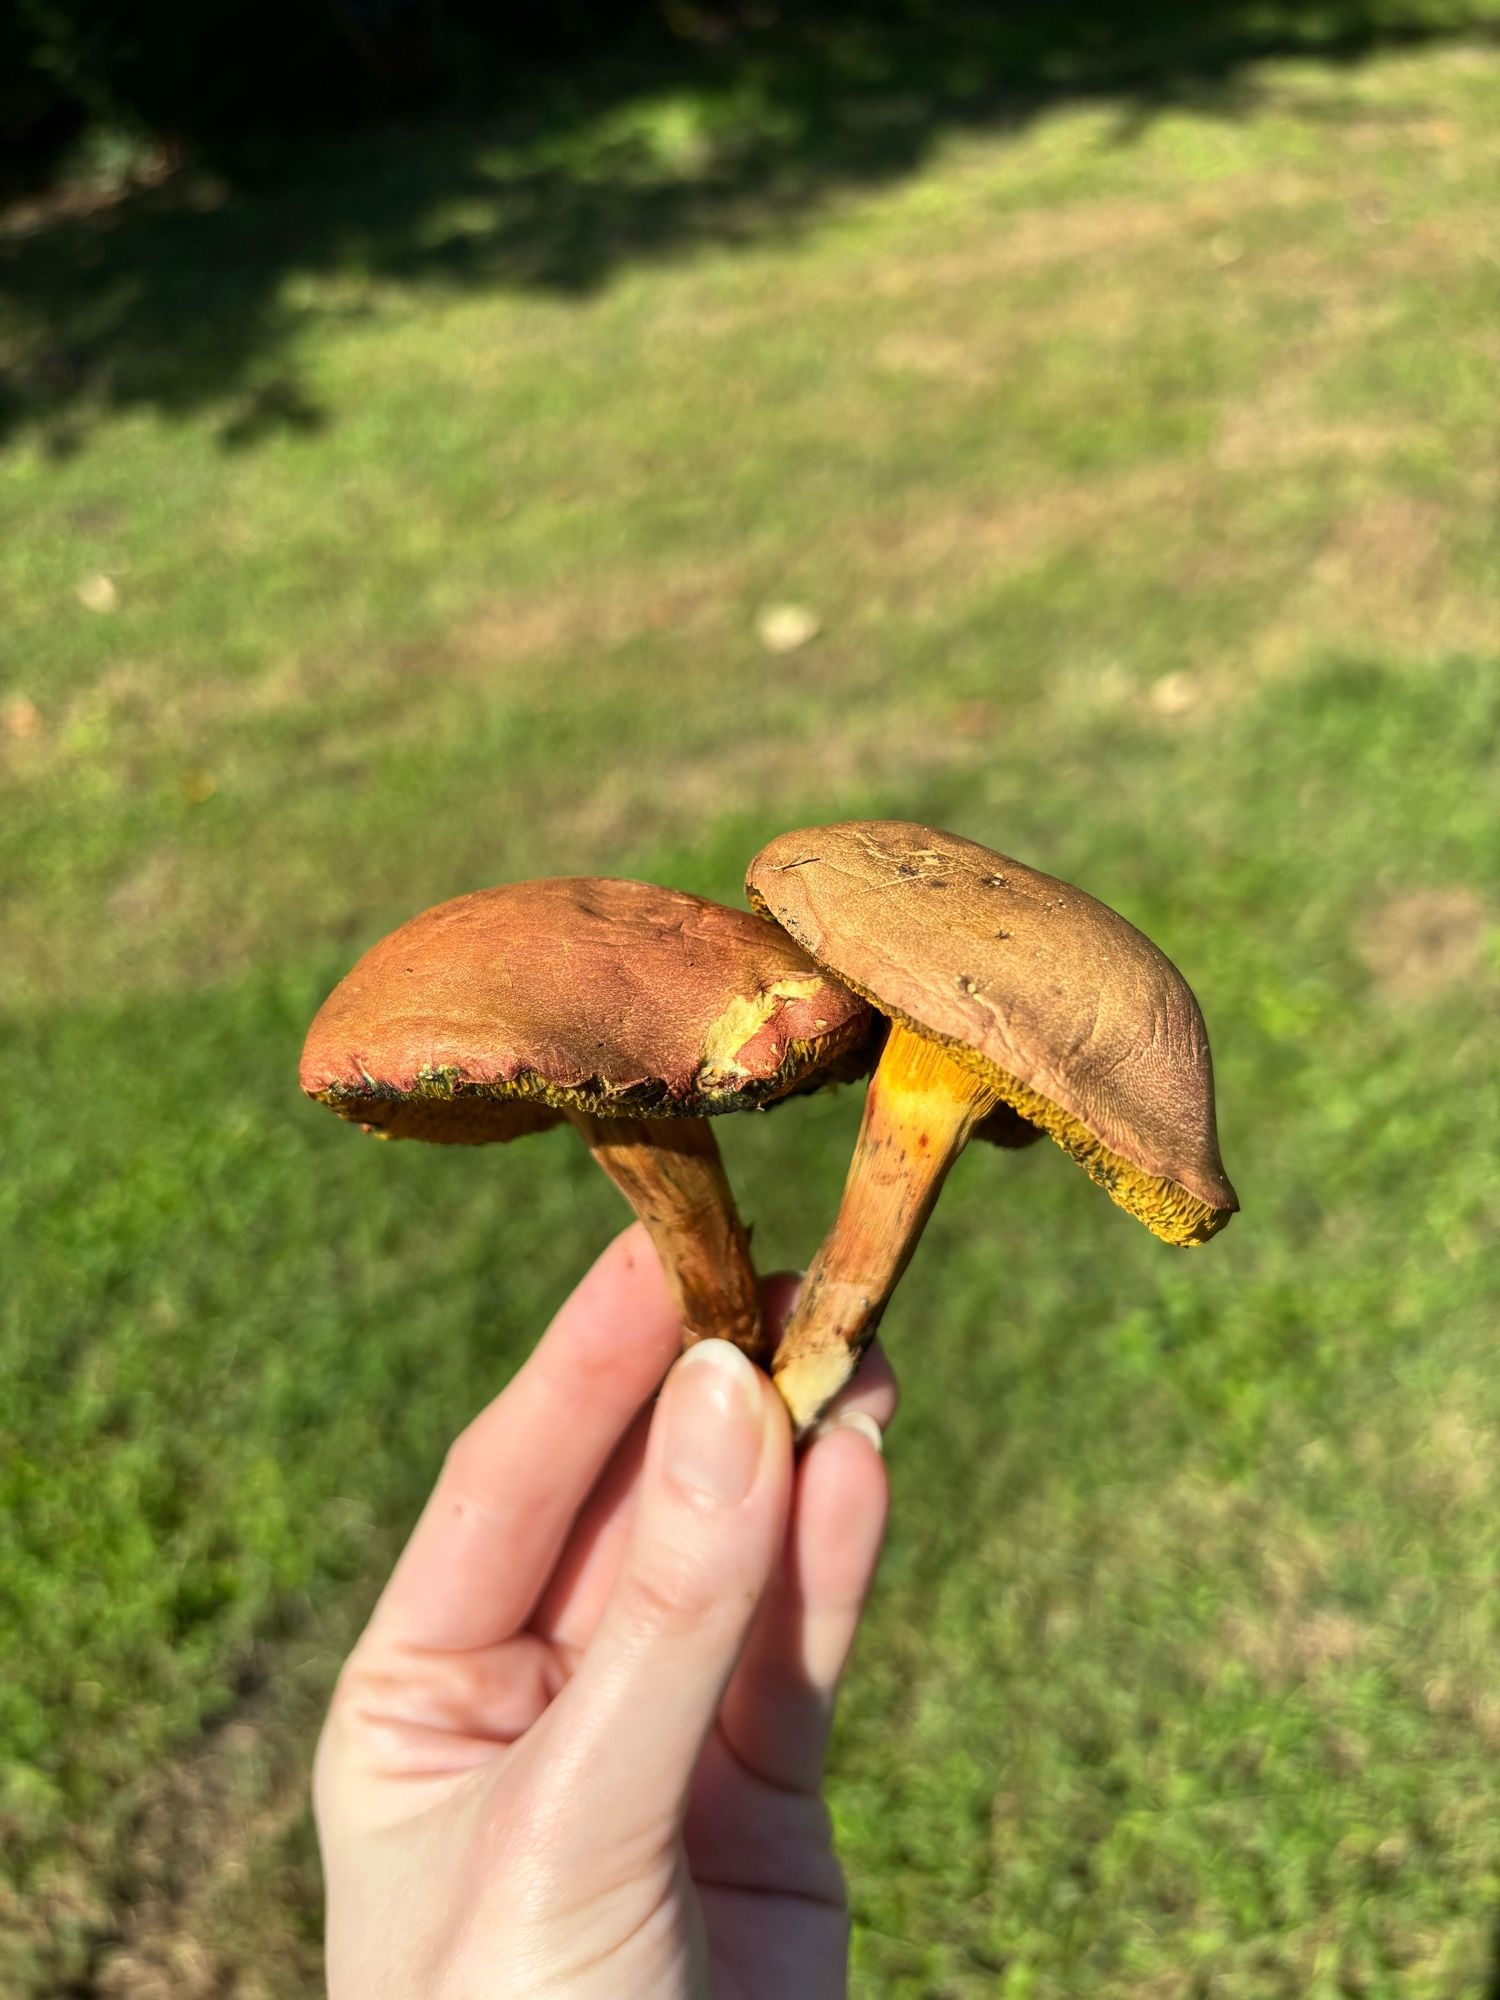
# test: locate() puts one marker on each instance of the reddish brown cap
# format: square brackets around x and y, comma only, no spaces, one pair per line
[497,1013]
[1082,1025]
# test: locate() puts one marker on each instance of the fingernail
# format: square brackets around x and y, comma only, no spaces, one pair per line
[714,1415]
[853,1420]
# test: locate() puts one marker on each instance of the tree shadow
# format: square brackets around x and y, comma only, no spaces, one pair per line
[177,298]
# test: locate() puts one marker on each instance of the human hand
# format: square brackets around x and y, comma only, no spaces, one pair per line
[579,1749]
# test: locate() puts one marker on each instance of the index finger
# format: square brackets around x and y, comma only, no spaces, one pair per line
[514,1480]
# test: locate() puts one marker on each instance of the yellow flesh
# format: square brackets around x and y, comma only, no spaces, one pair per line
[919,1112]
[741,1022]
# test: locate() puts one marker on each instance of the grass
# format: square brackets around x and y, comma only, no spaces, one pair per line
[1139,471]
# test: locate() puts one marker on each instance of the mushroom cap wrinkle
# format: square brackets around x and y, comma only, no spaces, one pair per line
[499,1012]
[1082,1025]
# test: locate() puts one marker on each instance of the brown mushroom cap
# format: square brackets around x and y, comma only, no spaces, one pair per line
[497,1013]
[1081,1023]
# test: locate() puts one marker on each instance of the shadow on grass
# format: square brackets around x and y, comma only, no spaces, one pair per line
[175,298]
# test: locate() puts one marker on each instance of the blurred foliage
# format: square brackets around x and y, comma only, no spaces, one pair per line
[409,517]
[215,76]
[37,111]
[565,156]
[168,68]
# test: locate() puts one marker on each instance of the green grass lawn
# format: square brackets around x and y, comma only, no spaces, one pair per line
[1139,468]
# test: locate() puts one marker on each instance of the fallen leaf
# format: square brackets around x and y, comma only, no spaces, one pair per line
[21,716]
[1173,694]
[782,628]
[98,593]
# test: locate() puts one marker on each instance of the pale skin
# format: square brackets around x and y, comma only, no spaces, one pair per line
[579,1750]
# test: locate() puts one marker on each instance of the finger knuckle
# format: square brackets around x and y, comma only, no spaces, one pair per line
[464,1462]
[666,1596]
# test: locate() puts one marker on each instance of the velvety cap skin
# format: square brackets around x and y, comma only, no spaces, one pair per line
[498,1012]
[1041,984]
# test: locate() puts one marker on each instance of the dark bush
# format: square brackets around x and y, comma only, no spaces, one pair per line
[197,73]
[210,75]
[38,114]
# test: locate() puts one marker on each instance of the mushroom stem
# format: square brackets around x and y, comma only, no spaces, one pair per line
[671,1173]
[921,1107]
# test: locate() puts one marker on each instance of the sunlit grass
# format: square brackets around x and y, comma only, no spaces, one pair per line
[1140,481]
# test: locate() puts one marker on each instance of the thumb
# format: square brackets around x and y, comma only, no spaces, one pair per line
[708,1529]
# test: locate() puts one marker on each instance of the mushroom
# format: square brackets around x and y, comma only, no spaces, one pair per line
[1009,994]
[631,1012]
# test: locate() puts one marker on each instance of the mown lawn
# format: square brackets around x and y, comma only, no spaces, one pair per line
[1139,467]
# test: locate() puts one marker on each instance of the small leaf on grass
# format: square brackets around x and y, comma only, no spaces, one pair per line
[98,593]
[21,716]
[1173,694]
[783,628]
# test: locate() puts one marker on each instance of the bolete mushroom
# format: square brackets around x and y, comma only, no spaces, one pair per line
[1007,992]
[632,1012]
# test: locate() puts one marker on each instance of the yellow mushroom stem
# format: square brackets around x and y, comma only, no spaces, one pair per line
[671,1173]
[919,1112]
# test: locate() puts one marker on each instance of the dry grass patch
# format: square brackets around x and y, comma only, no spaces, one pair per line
[1285,1649]
[1425,943]
[1281,430]
[1097,233]
[936,357]
[208,1854]
[876,748]
[609,611]
[957,546]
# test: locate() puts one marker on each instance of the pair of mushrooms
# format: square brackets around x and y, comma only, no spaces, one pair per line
[1010,1004]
